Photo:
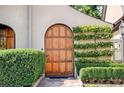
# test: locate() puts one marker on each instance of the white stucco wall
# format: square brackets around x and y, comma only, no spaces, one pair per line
[113,13]
[17,18]
[44,16]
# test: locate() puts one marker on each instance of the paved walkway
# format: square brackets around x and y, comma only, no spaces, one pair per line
[60,82]
[71,82]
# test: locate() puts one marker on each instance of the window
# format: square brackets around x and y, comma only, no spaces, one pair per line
[6,37]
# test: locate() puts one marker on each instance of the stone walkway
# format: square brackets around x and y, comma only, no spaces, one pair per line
[71,82]
[60,82]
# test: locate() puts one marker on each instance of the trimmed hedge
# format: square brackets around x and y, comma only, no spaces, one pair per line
[83,63]
[90,28]
[93,36]
[20,67]
[93,45]
[94,32]
[93,53]
[102,74]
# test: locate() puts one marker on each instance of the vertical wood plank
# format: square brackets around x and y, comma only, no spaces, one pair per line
[55,31]
[62,43]
[62,68]
[55,43]
[69,43]
[62,31]
[48,43]
[69,55]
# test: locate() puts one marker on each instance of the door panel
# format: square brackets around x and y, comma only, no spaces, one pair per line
[62,55]
[49,67]
[59,51]
[48,43]
[55,43]
[69,43]
[69,67]
[55,67]
[62,31]
[55,31]
[49,33]
[55,56]
[69,57]
[62,67]
[49,56]
[62,42]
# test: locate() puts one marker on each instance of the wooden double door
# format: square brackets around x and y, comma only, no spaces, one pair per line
[59,51]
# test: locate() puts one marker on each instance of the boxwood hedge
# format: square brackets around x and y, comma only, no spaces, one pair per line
[83,63]
[94,53]
[92,28]
[93,45]
[20,67]
[92,36]
[102,74]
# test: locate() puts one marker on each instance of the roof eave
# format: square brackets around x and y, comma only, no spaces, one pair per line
[117,24]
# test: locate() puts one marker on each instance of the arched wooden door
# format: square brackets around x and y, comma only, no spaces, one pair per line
[7,37]
[59,51]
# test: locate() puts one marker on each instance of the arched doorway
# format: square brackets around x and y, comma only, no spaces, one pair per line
[7,37]
[59,51]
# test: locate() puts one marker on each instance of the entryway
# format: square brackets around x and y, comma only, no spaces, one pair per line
[59,51]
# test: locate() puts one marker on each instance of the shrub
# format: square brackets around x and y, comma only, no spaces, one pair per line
[93,53]
[83,63]
[116,65]
[94,28]
[93,36]
[93,45]
[101,73]
[20,67]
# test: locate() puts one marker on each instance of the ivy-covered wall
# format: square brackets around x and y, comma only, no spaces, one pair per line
[92,42]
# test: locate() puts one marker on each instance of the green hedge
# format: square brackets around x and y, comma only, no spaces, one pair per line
[101,73]
[20,67]
[83,63]
[92,28]
[93,36]
[93,45]
[93,53]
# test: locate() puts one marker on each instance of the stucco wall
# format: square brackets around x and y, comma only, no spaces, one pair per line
[113,13]
[42,17]
[45,16]
[17,18]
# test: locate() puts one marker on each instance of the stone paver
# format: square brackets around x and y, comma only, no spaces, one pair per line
[60,82]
